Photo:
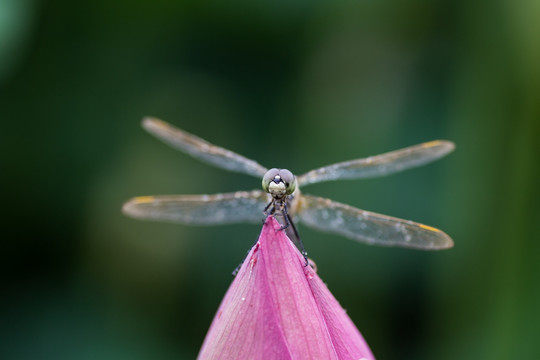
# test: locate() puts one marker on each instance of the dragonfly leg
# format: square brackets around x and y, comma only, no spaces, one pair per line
[268,213]
[299,241]
[286,218]
[289,222]
[267,207]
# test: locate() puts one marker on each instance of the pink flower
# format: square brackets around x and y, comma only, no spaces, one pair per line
[278,309]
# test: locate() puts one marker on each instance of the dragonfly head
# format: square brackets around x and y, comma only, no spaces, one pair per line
[279,182]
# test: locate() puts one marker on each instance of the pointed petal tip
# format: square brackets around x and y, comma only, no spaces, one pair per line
[278,308]
[272,222]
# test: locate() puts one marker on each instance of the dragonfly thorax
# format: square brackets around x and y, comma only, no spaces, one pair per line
[279,182]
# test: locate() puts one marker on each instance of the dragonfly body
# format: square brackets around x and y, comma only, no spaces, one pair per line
[281,194]
[281,185]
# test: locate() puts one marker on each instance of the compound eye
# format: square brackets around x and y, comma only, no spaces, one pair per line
[289,179]
[268,177]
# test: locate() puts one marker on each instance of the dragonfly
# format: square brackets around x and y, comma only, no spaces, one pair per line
[280,194]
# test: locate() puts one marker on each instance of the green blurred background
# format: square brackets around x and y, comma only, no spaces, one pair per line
[290,84]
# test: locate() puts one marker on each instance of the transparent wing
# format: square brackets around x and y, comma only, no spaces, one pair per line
[201,149]
[380,165]
[238,207]
[368,227]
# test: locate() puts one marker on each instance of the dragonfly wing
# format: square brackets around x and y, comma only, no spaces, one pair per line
[368,227]
[380,165]
[238,207]
[201,149]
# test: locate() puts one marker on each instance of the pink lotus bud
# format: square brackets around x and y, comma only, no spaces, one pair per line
[276,308]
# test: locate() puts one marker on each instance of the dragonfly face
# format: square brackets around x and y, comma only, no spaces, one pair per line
[279,182]
[281,192]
